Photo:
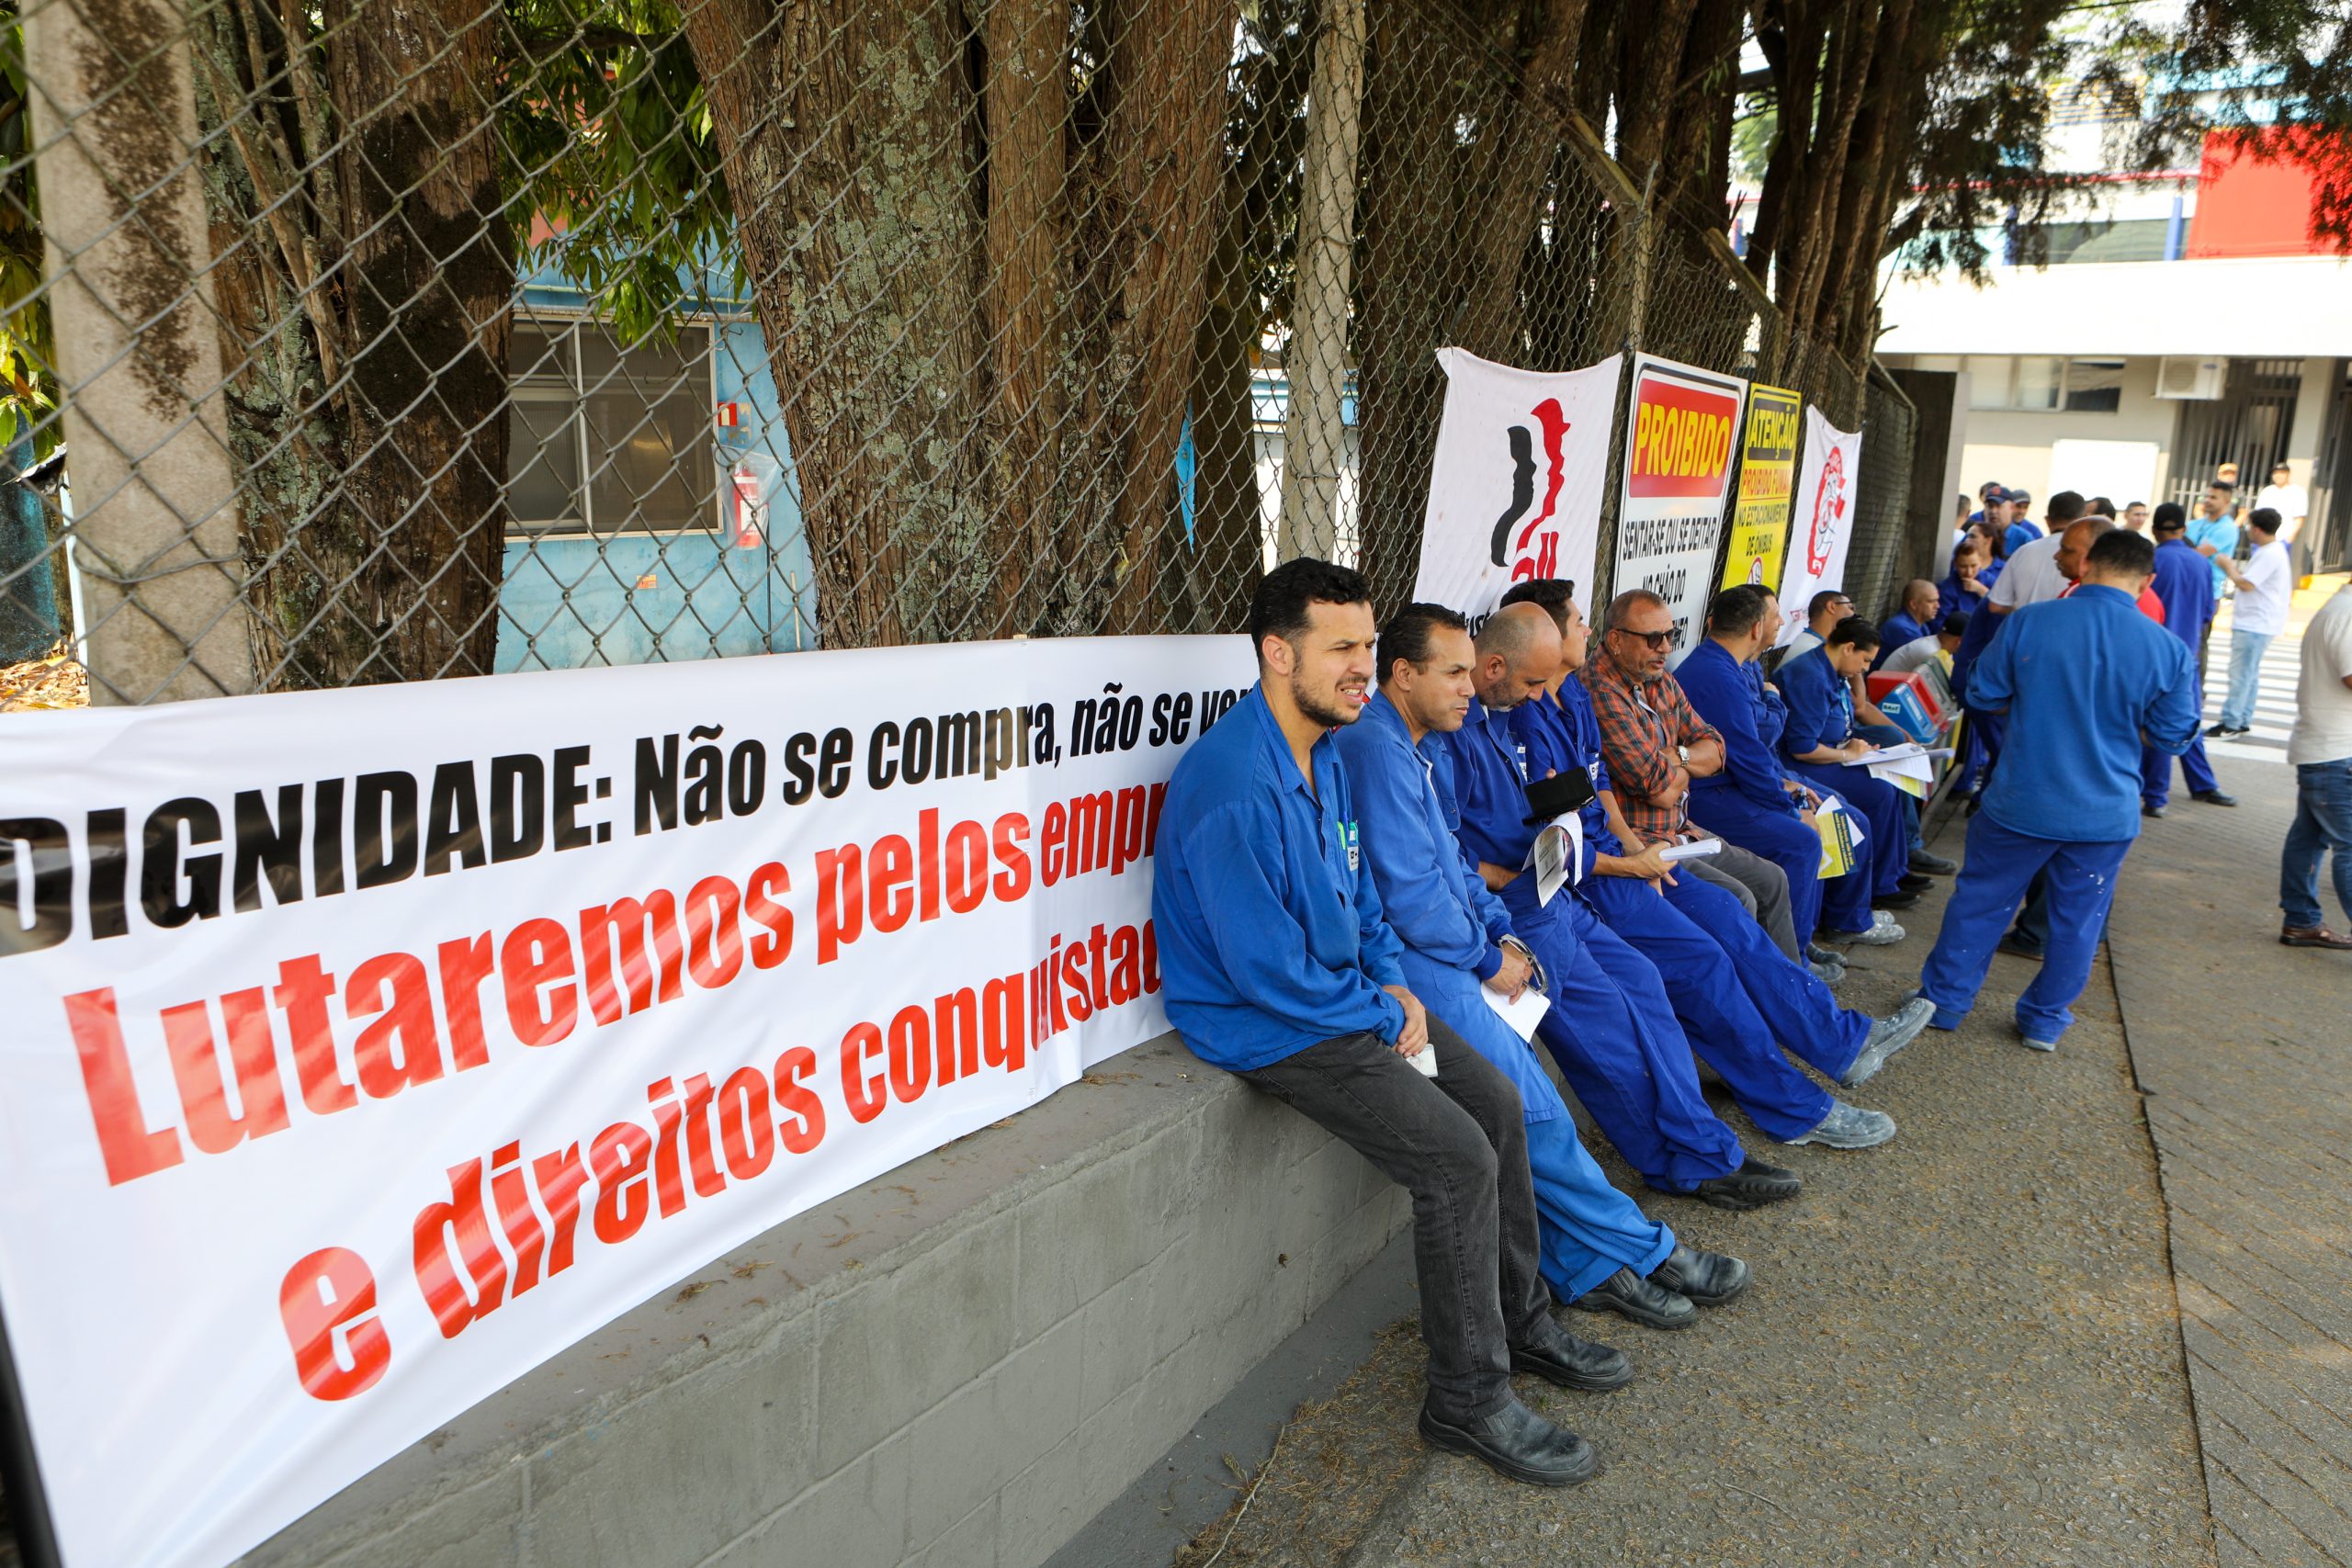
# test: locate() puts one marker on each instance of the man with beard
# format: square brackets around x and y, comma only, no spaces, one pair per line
[1609,1027]
[1278,966]
[1458,946]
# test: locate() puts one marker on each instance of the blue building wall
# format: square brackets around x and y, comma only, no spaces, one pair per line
[634,598]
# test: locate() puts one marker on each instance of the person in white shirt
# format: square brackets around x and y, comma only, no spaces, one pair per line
[2320,751]
[2264,589]
[2291,502]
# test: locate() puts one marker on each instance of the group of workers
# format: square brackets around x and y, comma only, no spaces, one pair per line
[1365,867]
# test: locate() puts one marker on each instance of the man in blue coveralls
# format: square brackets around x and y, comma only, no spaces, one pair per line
[1735,991]
[1458,948]
[1611,1027]
[1278,966]
[1754,800]
[1815,744]
[2086,682]
[2184,582]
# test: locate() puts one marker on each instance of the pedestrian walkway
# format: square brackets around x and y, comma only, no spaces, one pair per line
[2242,1047]
[2274,704]
[2051,1323]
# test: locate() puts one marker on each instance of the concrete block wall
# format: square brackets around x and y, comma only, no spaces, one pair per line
[957,1366]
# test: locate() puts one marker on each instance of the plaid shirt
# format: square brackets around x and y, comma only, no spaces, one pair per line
[1640,727]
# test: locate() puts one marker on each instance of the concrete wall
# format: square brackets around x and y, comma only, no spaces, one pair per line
[957,1366]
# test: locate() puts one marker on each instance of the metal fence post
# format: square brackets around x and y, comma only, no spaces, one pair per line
[137,341]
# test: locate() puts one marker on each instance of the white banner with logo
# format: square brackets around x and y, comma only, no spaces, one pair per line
[1681,434]
[366,1048]
[1821,524]
[1522,461]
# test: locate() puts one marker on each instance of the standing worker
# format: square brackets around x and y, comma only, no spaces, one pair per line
[2184,585]
[2264,588]
[2082,680]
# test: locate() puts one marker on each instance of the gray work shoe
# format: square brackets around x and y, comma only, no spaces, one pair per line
[2033,1044]
[1883,933]
[1851,1127]
[1887,1036]
[1830,974]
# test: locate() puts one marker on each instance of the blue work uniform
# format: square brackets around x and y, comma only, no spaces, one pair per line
[1452,929]
[1821,713]
[2184,584]
[2083,679]
[1745,803]
[2022,532]
[2221,533]
[1611,1027]
[1894,632]
[1251,871]
[1740,998]
[1951,595]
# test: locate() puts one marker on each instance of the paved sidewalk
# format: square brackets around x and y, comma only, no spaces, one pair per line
[2243,1047]
[1962,1347]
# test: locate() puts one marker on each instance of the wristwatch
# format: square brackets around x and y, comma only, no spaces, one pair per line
[1683,753]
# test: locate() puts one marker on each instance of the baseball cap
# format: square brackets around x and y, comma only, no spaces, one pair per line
[1992,491]
[2020,496]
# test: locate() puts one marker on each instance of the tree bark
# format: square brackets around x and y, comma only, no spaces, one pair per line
[1315,362]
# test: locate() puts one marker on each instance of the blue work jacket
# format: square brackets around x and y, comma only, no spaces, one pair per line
[2184,584]
[1271,936]
[1560,731]
[1821,706]
[2085,679]
[1434,899]
[1951,595]
[1731,696]
[1894,632]
[1484,786]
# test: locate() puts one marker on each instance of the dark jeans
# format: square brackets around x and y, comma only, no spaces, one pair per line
[1458,1143]
[2322,821]
[1756,883]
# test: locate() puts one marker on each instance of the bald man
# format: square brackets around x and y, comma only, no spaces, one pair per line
[1611,1027]
[1916,619]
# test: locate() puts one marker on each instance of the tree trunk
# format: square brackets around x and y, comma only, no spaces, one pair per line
[840,126]
[1315,362]
[427,284]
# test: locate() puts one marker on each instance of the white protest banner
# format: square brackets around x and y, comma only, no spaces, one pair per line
[1682,431]
[1516,486]
[1822,526]
[366,1048]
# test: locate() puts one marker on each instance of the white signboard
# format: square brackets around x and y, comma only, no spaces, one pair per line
[1682,437]
[1820,529]
[1515,491]
[366,1048]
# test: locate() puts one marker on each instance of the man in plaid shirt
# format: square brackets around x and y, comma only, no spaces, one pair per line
[1655,743]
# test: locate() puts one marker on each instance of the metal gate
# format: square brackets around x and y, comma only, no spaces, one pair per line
[2329,530]
[2247,424]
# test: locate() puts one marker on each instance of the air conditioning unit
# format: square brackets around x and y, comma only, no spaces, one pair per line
[2200,379]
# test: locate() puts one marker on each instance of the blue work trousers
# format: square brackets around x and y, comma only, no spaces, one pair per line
[1590,1230]
[1884,854]
[1991,885]
[2323,821]
[1613,1034]
[2155,772]
[1690,932]
[1777,836]
[1984,731]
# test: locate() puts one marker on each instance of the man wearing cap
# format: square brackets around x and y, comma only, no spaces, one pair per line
[2023,529]
[2184,584]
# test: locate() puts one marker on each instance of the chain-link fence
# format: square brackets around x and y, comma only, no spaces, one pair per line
[350,341]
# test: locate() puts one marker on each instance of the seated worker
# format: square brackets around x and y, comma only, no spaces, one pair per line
[1457,942]
[1823,611]
[1921,652]
[1819,737]
[1734,992]
[1916,619]
[1277,965]
[1756,800]
[2085,681]
[1974,571]
[1611,1027]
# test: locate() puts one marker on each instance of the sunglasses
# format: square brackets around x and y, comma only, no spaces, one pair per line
[1660,641]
